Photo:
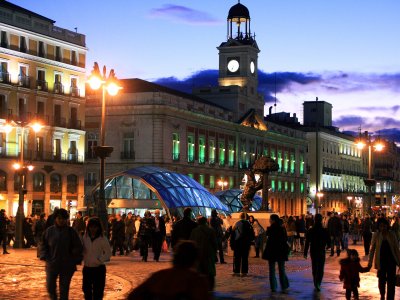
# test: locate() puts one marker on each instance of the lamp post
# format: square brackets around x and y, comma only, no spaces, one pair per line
[21,168]
[222,184]
[319,196]
[108,85]
[369,182]
[349,198]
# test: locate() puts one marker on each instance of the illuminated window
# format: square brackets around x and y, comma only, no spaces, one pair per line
[212,181]
[279,186]
[202,150]
[292,187]
[175,146]
[292,163]
[190,148]
[286,186]
[221,151]
[191,175]
[286,162]
[273,185]
[211,151]
[301,187]
[265,151]
[202,179]
[231,182]
[280,160]
[273,154]
[301,164]
[231,156]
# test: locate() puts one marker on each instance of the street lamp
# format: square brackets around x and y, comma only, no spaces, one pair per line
[21,168]
[222,184]
[378,146]
[108,85]
[349,198]
[319,195]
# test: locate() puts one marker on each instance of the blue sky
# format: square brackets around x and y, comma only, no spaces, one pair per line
[345,52]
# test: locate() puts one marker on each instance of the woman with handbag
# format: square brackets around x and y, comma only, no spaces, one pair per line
[385,251]
[276,251]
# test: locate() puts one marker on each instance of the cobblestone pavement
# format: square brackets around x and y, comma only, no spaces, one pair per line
[22,277]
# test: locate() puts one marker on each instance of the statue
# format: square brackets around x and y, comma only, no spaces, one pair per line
[261,166]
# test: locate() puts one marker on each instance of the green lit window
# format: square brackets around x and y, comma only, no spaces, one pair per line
[191,175]
[231,182]
[301,164]
[201,179]
[175,146]
[211,152]
[279,186]
[202,150]
[231,156]
[301,187]
[212,181]
[292,163]
[273,154]
[265,151]
[292,187]
[221,153]
[273,185]
[286,186]
[280,160]
[286,162]
[190,148]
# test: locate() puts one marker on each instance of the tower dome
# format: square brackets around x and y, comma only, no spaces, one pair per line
[239,11]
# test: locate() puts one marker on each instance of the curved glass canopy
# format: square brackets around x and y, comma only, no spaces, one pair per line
[231,198]
[149,187]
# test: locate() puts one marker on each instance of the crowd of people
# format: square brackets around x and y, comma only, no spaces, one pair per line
[202,242]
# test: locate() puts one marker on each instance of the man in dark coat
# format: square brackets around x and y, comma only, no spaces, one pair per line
[118,235]
[62,249]
[317,238]
[146,231]
[158,234]
[276,251]
[366,229]
[241,238]
[335,232]
[3,230]
[78,224]
[183,228]
[216,224]
[206,242]
[130,231]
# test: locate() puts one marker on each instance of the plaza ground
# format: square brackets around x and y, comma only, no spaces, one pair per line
[23,277]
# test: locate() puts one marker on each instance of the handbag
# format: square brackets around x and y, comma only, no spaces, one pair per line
[164,247]
[398,277]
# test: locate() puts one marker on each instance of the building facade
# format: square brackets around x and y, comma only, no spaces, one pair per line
[213,135]
[42,79]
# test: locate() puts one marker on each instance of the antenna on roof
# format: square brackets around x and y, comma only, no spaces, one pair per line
[76,29]
[275,93]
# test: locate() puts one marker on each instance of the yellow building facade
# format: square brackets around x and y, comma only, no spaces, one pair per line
[42,79]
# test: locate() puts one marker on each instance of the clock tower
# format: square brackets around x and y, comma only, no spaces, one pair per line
[238,55]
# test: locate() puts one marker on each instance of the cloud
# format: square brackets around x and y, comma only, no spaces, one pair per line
[183,14]
[349,121]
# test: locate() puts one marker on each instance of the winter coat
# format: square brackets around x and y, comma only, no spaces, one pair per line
[182,230]
[242,235]
[118,231]
[376,244]
[335,227]
[206,242]
[350,272]
[130,226]
[277,248]
[79,225]
[95,252]
[147,227]
[318,238]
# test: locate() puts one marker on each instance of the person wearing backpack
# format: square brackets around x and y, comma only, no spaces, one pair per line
[242,235]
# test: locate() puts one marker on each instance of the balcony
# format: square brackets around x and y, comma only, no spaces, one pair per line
[41,85]
[24,81]
[75,92]
[90,155]
[202,160]
[5,77]
[43,156]
[231,164]
[175,156]
[58,88]
[74,124]
[128,155]
[221,163]
[190,158]
[211,162]
[59,122]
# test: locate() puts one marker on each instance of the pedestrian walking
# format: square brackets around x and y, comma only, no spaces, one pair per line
[335,232]
[118,235]
[11,231]
[168,231]
[158,234]
[183,228]
[145,234]
[40,227]
[79,224]
[62,250]
[216,224]
[3,230]
[366,228]
[350,269]
[241,236]
[317,239]
[386,255]
[259,234]
[96,251]
[346,231]
[130,231]
[206,242]
[276,252]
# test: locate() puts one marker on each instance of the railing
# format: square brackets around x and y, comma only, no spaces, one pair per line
[90,155]
[211,162]
[31,155]
[190,158]
[41,85]
[59,122]
[58,88]
[202,160]
[221,163]
[74,91]
[5,77]
[175,156]
[74,124]
[231,164]
[128,155]
[24,81]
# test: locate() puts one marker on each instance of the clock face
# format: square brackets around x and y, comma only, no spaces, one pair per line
[233,65]
[252,67]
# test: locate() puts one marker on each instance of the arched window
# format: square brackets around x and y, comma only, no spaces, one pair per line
[72,184]
[3,181]
[38,182]
[55,183]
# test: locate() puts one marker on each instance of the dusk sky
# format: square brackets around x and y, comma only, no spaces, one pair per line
[346,52]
